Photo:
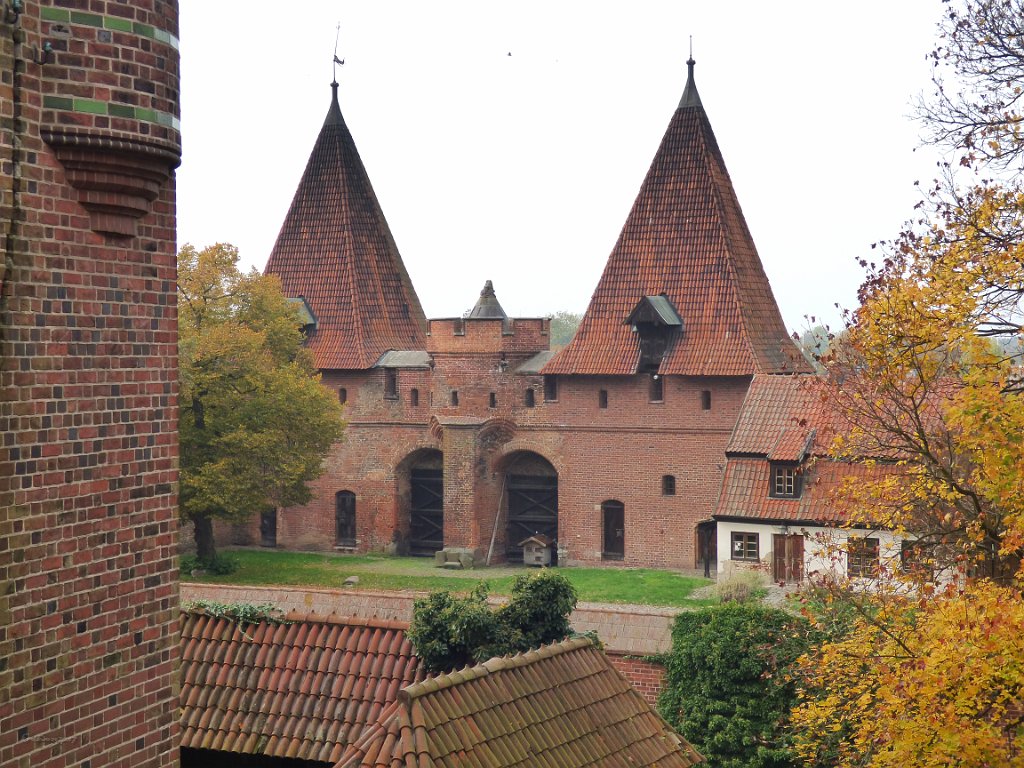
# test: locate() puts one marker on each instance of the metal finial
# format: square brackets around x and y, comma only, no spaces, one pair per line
[691,46]
[337,61]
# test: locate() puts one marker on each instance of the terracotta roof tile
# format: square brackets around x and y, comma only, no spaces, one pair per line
[778,413]
[295,690]
[686,238]
[336,251]
[561,706]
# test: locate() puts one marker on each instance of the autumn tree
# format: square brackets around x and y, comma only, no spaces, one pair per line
[255,423]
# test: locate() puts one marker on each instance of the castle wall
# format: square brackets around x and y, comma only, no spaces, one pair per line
[88,384]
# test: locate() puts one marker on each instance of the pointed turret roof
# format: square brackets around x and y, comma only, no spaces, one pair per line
[487,306]
[335,249]
[685,239]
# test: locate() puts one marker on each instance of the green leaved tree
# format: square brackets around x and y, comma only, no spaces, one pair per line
[255,423]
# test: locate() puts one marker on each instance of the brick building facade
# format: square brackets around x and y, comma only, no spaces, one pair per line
[469,434]
[88,383]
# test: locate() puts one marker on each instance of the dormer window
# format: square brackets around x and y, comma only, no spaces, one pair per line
[655,321]
[785,481]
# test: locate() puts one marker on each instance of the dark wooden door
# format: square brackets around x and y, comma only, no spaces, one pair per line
[614,513]
[345,519]
[268,528]
[426,525]
[788,557]
[707,547]
[532,509]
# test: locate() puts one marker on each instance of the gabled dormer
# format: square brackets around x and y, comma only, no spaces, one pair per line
[657,325]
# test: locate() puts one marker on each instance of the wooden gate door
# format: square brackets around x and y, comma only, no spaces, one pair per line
[532,509]
[614,513]
[426,525]
[788,558]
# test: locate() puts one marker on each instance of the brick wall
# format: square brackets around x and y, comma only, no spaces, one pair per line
[88,385]
[646,676]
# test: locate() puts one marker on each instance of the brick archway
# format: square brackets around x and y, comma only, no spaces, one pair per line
[530,500]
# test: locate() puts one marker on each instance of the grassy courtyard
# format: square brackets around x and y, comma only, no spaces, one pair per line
[378,572]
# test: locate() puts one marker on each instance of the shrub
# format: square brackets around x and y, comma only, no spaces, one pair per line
[220,565]
[741,586]
[727,690]
[450,632]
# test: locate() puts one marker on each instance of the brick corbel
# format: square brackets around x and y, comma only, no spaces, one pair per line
[117,179]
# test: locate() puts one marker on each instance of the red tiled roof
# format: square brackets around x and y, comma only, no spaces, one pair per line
[335,249]
[779,414]
[686,238]
[302,689]
[561,706]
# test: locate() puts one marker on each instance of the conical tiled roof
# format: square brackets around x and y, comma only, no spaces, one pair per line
[487,306]
[335,249]
[686,239]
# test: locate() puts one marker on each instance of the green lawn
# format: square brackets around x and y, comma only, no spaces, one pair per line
[601,585]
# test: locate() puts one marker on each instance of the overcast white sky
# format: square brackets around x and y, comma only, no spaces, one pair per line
[521,169]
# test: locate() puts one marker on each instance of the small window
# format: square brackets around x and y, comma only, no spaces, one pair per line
[390,383]
[861,557]
[414,397]
[912,557]
[455,397]
[705,400]
[529,398]
[785,482]
[602,398]
[492,400]
[550,388]
[668,485]
[342,395]
[657,389]
[744,547]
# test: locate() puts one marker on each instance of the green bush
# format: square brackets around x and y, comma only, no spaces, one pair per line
[221,565]
[727,690]
[742,586]
[450,632]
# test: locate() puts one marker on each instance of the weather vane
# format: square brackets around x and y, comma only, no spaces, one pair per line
[337,61]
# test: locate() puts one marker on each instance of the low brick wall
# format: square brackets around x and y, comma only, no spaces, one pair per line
[625,630]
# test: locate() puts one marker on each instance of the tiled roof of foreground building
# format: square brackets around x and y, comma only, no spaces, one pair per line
[336,250]
[788,419]
[685,238]
[561,706]
[301,689]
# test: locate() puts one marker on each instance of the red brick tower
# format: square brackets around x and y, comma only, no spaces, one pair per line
[88,383]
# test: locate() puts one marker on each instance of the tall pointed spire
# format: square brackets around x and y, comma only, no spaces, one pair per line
[336,250]
[685,239]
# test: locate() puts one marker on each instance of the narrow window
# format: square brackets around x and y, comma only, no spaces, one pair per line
[602,398]
[613,522]
[657,389]
[345,519]
[861,557]
[668,485]
[342,395]
[492,401]
[912,557]
[529,398]
[414,397]
[390,383]
[744,547]
[705,400]
[550,388]
[785,482]
[455,397]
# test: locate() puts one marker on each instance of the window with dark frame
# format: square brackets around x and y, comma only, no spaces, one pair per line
[550,388]
[705,400]
[912,557]
[785,481]
[602,398]
[345,519]
[390,384]
[861,557]
[342,395]
[492,400]
[455,397]
[414,397]
[668,485]
[529,398]
[657,394]
[745,547]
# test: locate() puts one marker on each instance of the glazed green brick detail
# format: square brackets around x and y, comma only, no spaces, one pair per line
[55,14]
[91,106]
[149,115]
[88,19]
[58,102]
[121,110]
[116,23]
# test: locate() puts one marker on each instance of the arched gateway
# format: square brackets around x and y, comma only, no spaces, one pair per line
[531,493]
[421,501]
